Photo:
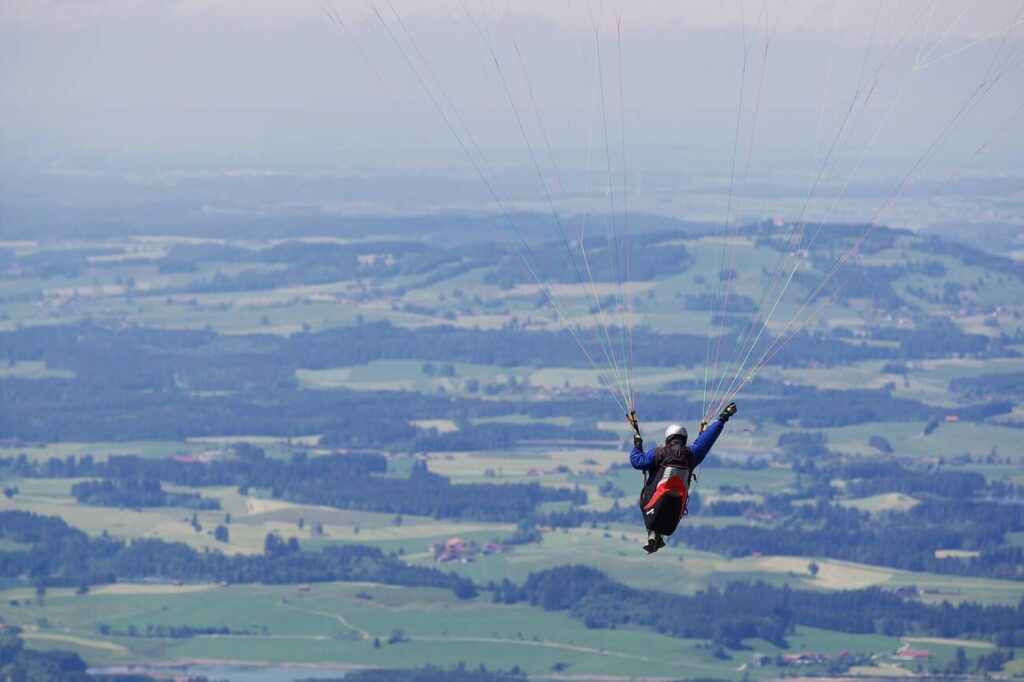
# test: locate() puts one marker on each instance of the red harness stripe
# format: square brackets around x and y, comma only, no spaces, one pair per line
[674,483]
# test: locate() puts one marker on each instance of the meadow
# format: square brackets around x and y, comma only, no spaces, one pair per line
[336,623]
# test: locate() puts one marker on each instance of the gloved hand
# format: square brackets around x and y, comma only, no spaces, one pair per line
[729,411]
[638,442]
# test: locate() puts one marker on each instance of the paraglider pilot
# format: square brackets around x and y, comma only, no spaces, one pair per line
[668,471]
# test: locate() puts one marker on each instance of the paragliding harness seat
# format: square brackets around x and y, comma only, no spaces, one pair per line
[665,494]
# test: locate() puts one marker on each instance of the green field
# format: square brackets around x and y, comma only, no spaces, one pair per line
[100,451]
[252,519]
[337,623]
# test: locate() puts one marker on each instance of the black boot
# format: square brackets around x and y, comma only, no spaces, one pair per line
[654,543]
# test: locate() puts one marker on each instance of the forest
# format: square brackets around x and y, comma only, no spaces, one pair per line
[955,510]
[744,610]
[28,665]
[130,492]
[174,357]
[181,384]
[60,556]
[342,481]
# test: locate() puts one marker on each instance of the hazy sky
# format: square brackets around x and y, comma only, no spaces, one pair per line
[212,77]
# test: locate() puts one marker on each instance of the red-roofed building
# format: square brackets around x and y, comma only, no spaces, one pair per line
[905,653]
[454,549]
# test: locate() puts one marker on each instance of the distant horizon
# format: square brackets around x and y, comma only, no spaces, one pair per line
[182,189]
[190,110]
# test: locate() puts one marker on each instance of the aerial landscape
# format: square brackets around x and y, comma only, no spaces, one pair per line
[321,329]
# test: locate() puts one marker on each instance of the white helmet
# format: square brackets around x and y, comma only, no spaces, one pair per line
[675,430]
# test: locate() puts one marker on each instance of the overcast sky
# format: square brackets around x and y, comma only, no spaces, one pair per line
[211,77]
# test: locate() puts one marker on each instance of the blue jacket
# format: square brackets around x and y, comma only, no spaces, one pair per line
[700,448]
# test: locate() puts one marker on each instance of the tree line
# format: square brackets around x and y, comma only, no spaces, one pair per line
[990,386]
[745,610]
[175,394]
[135,493]
[60,555]
[27,665]
[741,610]
[350,481]
[954,510]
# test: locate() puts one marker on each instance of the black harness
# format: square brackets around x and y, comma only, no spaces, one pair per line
[677,457]
[664,496]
